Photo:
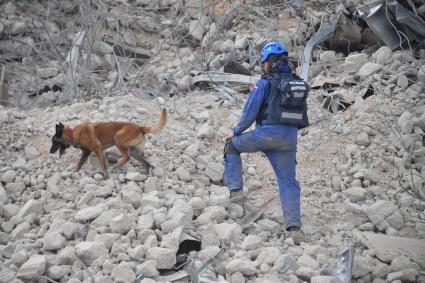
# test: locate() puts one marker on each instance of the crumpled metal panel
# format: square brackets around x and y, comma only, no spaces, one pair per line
[343,268]
[320,36]
[380,21]
[406,17]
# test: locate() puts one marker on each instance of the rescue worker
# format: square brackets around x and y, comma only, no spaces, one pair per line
[275,135]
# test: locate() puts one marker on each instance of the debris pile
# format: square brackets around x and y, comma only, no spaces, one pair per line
[361,163]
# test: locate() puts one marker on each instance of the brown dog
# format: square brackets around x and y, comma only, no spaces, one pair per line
[129,138]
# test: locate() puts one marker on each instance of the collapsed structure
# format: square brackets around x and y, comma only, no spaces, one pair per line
[361,162]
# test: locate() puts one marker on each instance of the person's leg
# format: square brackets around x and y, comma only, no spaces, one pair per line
[253,141]
[284,165]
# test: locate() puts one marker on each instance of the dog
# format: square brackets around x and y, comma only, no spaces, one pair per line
[128,137]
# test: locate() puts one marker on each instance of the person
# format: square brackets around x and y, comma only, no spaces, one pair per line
[277,124]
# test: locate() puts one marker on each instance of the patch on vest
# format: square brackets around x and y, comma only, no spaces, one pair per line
[293,102]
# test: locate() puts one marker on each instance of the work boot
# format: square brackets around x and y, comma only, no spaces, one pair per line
[296,234]
[238,197]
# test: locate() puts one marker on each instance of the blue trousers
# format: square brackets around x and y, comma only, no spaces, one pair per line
[279,143]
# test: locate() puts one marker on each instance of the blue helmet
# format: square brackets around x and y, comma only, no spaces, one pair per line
[272,48]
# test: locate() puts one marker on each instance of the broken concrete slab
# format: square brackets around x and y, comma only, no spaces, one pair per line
[390,247]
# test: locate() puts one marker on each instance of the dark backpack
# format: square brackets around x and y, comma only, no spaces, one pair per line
[286,103]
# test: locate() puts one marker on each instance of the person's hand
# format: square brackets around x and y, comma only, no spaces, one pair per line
[228,138]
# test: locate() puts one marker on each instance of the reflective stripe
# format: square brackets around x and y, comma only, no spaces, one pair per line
[298,94]
[290,115]
[302,88]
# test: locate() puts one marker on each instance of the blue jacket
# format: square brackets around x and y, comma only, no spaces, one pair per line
[255,100]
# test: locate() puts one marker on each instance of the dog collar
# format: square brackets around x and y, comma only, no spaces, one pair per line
[71,136]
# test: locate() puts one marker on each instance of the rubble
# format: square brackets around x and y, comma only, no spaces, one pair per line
[360,164]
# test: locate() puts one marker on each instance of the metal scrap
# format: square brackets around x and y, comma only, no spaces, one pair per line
[197,272]
[343,268]
[223,77]
[320,36]
[414,25]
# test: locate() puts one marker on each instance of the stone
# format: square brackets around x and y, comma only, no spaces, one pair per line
[369,69]
[105,218]
[396,220]
[361,266]
[269,225]
[18,258]
[19,28]
[20,230]
[7,275]
[192,150]
[380,270]
[268,255]
[183,174]
[4,238]
[102,48]
[237,277]
[150,200]
[244,266]
[405,122]
[356,194]
[107,239]
[165,258]
[31,152]
[252,242]
[284,263]
[383,55]
[176,221]
[33,269]
[421,73]
[407,275]
[4,198]
[54,241]
[69,229]
[196,30]
[19,163]
[324,279]
[120,224]
[403,81]
[228,232]
[10,210]
[90,213]
[362,139]
[184,83]
[135,176]
[379,210]
[57,272]
[205,131]
[90,251]
[123,273]
[148,268]
[401,263]
[145,222]
[30,207]
[215,171]
[305,273]
[269,279]
[354,62]
[8,177]
[47,72]
[308,261]
[328,56]
[241,42]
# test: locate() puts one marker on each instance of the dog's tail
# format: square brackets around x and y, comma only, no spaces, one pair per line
[158,126]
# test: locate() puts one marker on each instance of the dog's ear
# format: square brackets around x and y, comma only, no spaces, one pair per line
[59,129]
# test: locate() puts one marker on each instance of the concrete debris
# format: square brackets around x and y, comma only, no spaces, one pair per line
[360,162]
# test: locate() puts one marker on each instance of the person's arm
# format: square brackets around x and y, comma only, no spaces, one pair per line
[252,107]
